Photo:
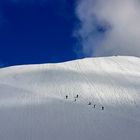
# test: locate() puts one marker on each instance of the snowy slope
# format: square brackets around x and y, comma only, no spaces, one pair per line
[33,104]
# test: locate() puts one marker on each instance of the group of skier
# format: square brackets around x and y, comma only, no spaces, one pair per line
[94,106]
[77,96]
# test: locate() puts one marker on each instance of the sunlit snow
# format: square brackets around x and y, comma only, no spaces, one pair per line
[33,104]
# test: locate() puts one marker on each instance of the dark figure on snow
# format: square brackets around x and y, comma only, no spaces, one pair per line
[77,96]
[89,103]
[102,108]
[94,106]
[74,100]
[66,96]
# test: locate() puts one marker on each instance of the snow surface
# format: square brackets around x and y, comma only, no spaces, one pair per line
[33,104]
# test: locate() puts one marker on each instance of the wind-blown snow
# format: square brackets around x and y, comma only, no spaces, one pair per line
[33,104]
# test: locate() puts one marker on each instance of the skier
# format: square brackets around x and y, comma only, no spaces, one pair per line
[94,106]
[77,96]
[66,96]
[102,108]
[89,103]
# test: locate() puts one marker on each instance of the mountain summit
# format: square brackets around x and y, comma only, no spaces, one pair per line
[87,99]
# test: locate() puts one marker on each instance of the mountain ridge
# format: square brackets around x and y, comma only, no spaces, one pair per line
[35,98]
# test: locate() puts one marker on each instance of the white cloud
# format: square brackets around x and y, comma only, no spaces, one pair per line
[119,21]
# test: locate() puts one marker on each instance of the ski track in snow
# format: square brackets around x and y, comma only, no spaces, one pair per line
[33,104]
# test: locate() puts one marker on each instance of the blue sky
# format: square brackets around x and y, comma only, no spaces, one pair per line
[50,31]
[37,32]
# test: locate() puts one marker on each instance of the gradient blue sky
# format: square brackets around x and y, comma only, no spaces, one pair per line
[50,31]
[37,32]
